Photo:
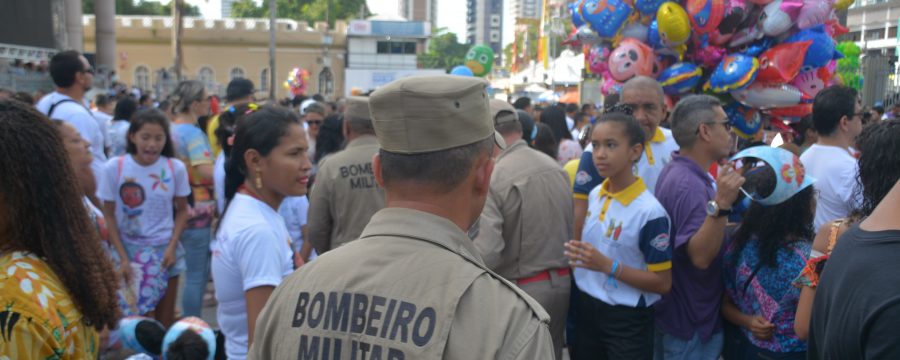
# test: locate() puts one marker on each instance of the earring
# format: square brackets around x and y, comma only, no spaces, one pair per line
[634,168]
[258,180]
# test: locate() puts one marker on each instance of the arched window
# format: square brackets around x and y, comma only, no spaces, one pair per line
[142,77]
[207,77]
[326,82]
[264,80]
[236,73]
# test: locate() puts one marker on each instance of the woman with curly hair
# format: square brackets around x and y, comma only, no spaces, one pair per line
[879,170]
[768,249]
[57,293]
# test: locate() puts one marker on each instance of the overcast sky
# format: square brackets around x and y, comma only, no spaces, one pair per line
[450,14]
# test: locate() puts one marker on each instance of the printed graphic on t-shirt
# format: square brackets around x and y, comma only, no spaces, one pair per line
[161,180]
[133,196]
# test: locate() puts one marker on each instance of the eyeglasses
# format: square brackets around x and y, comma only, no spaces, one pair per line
[619,108]
[726,124]
[647,107]
[314,122]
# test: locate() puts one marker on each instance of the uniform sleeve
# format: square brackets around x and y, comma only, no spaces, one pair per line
[489,241]
[587,178]
[492,322]
[107,191]
[182,187]
[688,214]
[319,222]
[655,244]
[198,149]
[254,243]
[880,339]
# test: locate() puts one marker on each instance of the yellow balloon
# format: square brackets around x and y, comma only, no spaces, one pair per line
[674,24]
[842,4]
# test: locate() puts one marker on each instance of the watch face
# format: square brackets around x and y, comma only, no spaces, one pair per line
[711,208]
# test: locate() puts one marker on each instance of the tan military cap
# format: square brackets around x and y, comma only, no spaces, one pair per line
[357,108]
[502,112]
[423,114]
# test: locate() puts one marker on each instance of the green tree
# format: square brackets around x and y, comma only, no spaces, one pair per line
[309,11]
[142,7]
[444,51]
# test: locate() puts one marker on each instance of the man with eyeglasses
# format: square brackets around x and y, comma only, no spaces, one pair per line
[687,319]
[313,117]
[73,77]
[837,117]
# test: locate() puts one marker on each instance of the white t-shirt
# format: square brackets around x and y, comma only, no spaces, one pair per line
[144,197]
[117,134]
[835,171]
[77,114]
[103,122]
[252,249]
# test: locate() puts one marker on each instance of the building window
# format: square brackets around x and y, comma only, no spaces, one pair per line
[142,77]
[207,77]
[495,36]
[852,36]
[875,34]
[264,80]
[326,82]
[396,47]
[495,20]
[892,32]
[236,73]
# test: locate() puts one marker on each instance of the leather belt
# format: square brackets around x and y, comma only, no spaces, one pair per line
[544,275]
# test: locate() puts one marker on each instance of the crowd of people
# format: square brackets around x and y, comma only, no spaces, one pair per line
[426,221]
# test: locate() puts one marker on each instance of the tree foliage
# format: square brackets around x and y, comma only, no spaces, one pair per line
[444,51]
[309,11]
[142,7]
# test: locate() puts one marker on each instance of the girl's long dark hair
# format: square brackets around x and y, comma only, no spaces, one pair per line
[775,226]
[150,116]
[331,136]
[45,213]
[555,118]
[879,165]
[260,131]
[227,120]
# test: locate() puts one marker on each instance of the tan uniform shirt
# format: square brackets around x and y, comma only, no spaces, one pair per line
[345,196]
[528,214]
[412,287]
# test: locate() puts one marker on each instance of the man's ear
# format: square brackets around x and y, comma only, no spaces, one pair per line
[376,167]
[484,167]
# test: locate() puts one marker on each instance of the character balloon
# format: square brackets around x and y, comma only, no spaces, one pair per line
[811,82]
[480,59]
[606,17]
[673,24]
[736,71]
[768,96]
[745,121]
[778,16]
[781,63]
[821,51]
[631,58]
[706,15]
[680,79]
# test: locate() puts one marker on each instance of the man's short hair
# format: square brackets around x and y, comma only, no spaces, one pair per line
[443,170]
[687,116]
[522,103]
[102,100]
[63,67]
[570,108]
[508,127]
[315,107]
[238,88]
[830,105]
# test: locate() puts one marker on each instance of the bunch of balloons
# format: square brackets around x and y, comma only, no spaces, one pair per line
[479,61]
[297,81]
[767,59]
[848,67]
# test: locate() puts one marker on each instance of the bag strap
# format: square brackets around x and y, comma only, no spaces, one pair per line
[53,106]
[120,162]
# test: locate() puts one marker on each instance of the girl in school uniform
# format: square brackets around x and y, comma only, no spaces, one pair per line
[623,262]
[144,195]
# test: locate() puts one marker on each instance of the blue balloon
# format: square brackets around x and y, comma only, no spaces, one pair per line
[653,35]
[758,47]
[606,16]
[680,79]
[577,20]
[648,7]
[822,49]
[461,70]
[745,120]
[735,72]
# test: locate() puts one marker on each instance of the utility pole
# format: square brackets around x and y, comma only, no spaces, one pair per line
[105,29]
[177,31]
[74,27]
[272,15]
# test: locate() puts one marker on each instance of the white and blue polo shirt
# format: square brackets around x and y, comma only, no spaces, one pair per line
[629,226]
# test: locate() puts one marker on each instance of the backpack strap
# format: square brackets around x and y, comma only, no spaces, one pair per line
[53,106]
[120,161]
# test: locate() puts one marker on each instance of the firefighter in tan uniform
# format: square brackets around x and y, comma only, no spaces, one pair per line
[413,286]
[345,195]
[527,219]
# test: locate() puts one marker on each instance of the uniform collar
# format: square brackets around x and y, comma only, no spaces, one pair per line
[420,225]
[518,144]
[363,140]
[658,136]
[625,196]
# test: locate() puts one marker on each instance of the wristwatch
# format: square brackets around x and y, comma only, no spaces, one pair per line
[712,209]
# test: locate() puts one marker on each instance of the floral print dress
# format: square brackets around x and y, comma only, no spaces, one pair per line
[38,318]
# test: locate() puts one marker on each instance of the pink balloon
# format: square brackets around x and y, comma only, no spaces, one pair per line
[630,59]
[812,82]
[814,12]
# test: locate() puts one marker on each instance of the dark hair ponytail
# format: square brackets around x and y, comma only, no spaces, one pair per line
[259,131]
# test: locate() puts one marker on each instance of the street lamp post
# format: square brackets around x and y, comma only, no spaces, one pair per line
[272,15]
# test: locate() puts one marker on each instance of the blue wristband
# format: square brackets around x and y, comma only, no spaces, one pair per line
[611,279]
